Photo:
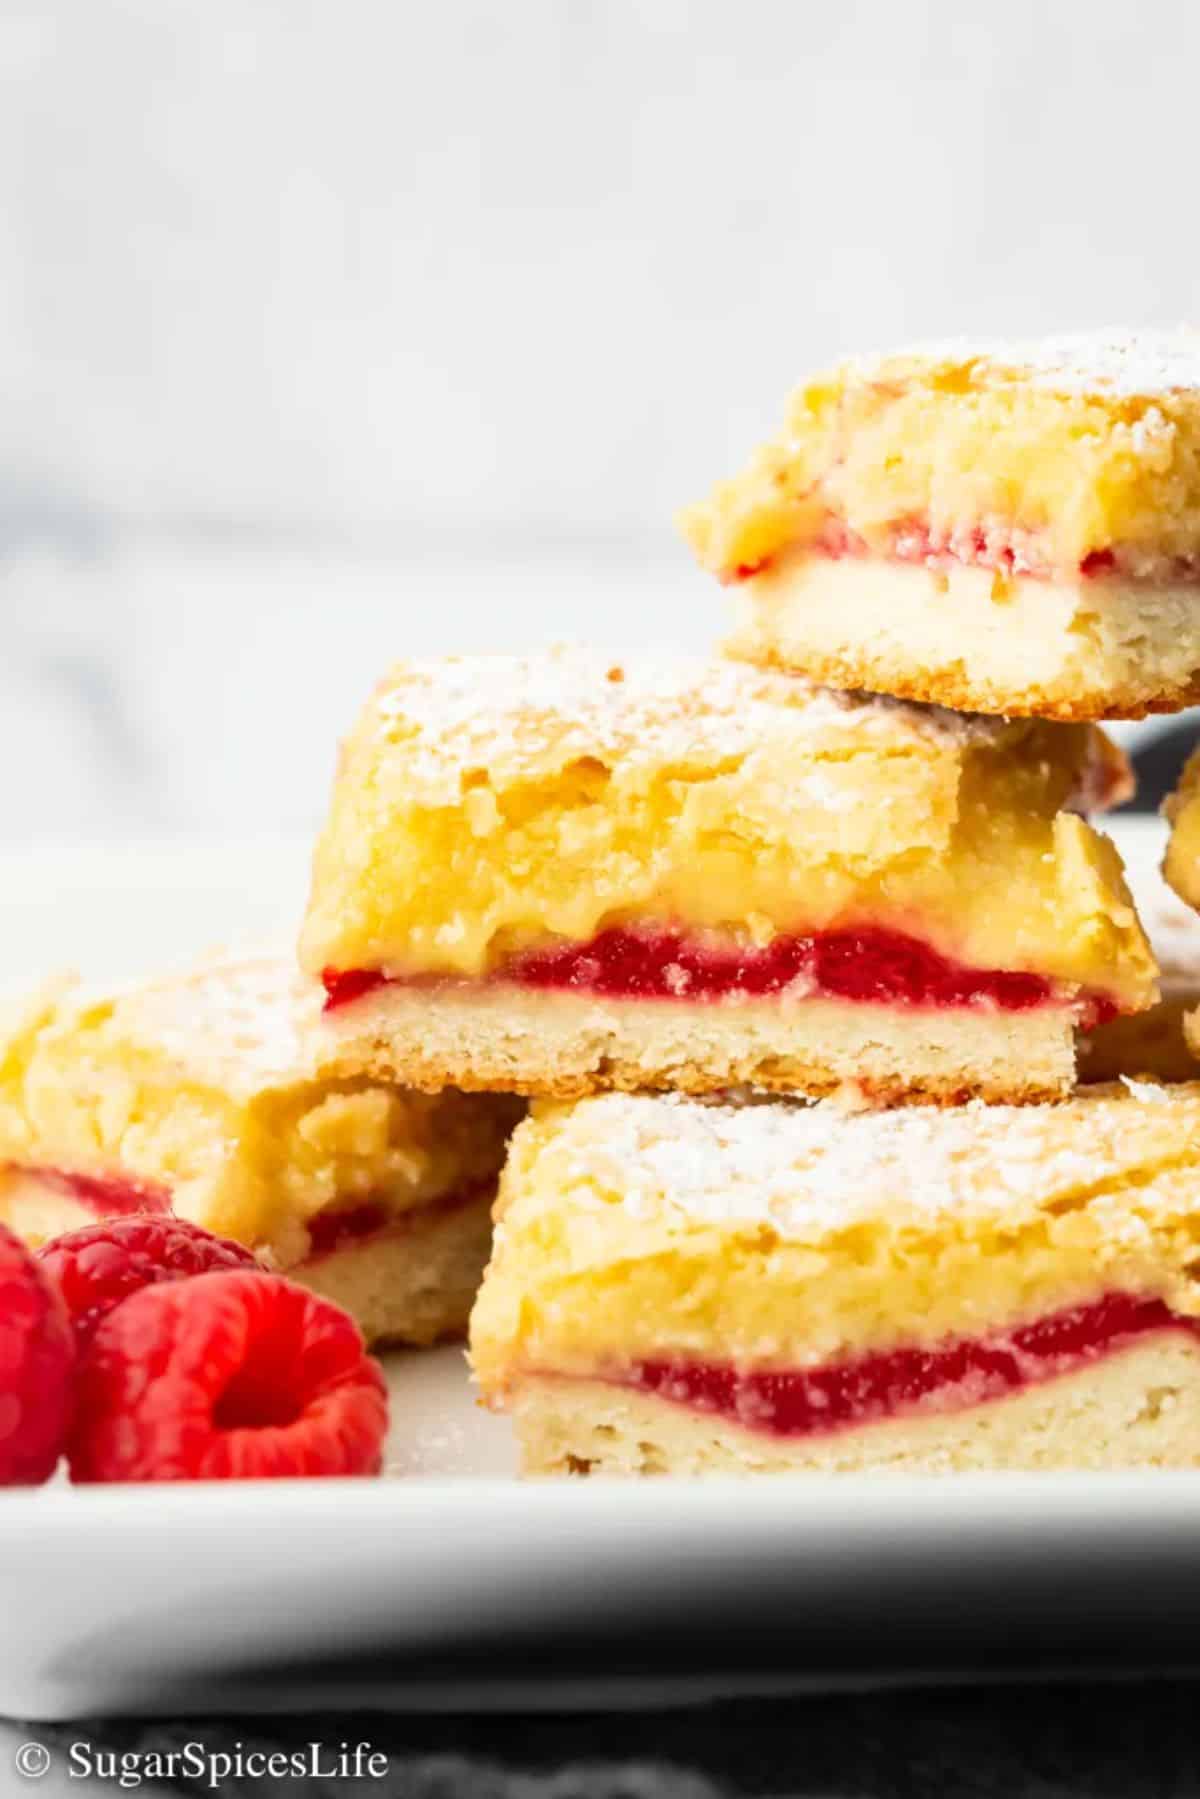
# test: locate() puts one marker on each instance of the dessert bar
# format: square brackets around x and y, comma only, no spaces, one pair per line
[688,1287]
[558,875]
[1181,869]
[195,1095]
[1153,1044]
[1010,528]
[1181,864]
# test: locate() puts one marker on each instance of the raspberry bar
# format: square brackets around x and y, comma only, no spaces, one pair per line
[1181,865]
[682,1287]
[558,875]
[1154,1044]
[195,1095]
[1013,529]
[1181,870]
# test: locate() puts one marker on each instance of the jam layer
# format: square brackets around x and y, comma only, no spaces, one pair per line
[118,1196]
[105,1195]
[1004,552]
[338,1228]
[874,966]
[866,1389]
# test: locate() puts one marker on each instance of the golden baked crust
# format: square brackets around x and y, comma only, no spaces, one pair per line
[487,805]
[776,1235]
[1137,1407]
[203,1083]
[953,687]
[554,1045]
[1043,455]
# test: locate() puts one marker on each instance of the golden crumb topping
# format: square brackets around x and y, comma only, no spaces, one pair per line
[202,1083]
[1030,457]
[787,1234]
[484,806]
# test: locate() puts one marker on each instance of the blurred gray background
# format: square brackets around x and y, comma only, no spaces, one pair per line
[339,331]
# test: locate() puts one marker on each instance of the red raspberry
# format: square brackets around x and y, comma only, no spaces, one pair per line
[99,1265]
[37,1356]
[230,1376]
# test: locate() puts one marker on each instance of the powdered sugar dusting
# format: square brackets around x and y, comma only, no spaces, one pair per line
[1133,364]
[502,712]
[239,1023]
[807,1170]
[1127,364]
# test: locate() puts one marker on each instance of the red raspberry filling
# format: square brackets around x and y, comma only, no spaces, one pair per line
[328,1231]
[339,1228]
[871,965]
[1005,551]
[963,1372]
[37,1357]
[344,985]
[231,1375]
[106,1195]
[100,1265]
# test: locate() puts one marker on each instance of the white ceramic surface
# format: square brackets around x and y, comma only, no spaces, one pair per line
[453,1583]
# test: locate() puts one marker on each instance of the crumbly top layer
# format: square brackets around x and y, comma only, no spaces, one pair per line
[1029,458]
[510,714]
[807,1171]
[1130,364]
[484,806]
[238,1025]
[203,1083]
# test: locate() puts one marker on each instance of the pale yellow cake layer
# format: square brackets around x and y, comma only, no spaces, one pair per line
[783,1235]
[204,1083]
[1065,647]
[486,805]
[1136,1408]
[1059,449]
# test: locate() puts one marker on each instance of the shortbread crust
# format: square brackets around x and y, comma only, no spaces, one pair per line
[1065,647]
[506,1039]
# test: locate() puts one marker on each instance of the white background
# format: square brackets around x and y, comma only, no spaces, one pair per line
[338,331]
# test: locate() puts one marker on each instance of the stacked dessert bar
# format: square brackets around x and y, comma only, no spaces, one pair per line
[789,959]
[746,1283]
[557,875]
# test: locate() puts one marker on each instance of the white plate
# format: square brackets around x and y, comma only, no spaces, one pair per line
[453,1583]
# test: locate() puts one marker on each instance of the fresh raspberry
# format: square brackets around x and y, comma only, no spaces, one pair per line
[101,1264]
[230,1376]
[37,1356]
